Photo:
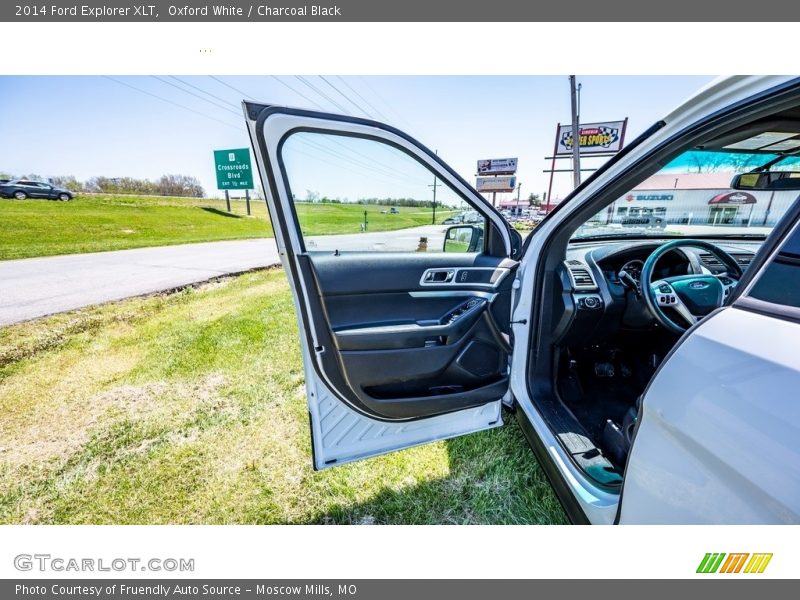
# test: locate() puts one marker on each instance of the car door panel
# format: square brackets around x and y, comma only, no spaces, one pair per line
[399,348]
[717,441]
[408,350]
[344,274]
[33,190]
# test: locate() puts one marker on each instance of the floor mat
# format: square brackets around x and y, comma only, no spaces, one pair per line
[603,398]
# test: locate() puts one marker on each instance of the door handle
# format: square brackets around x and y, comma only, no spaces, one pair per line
[435,276]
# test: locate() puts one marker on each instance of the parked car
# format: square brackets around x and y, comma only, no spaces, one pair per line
[654,371]
[472,216]
[24,188]
[393,211]
[453,220]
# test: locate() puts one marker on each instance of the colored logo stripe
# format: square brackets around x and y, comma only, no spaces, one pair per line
[734,563]
[710,562]
[758,563]
[713,562]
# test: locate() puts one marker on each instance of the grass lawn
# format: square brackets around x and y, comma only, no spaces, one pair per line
[190,408]
[321,219]
[94,223]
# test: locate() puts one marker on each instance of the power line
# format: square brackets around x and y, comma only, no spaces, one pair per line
[392,169]
[207,93]
[381,98]
[346,97]
[323,94]
[367,102]
[335,166]
[361,165]
[195,95]
[299,93]
[197,112]
[228,85]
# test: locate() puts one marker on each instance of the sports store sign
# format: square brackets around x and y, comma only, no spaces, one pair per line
[595,138]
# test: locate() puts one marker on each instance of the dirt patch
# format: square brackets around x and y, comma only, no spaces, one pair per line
[55,439]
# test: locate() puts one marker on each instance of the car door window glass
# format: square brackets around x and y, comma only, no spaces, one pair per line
[360,194]
[779,282]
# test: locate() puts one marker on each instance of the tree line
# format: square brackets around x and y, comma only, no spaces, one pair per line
[315,197]
[167,185]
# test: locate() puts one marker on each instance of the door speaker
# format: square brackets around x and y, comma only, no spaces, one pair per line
[480,359]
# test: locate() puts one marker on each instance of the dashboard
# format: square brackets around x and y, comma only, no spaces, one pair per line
[601,283]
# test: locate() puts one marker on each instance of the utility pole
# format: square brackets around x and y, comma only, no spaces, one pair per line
[519,190]
[435,185]
[576,134]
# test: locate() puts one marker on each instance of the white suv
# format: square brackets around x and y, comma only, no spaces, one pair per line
[655,370]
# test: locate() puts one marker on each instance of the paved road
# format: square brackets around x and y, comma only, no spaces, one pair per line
[403,240]
[34,287]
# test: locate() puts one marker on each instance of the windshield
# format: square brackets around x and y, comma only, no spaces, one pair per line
[692,197]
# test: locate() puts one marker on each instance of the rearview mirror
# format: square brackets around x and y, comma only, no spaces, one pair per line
[463,238]
[767,180]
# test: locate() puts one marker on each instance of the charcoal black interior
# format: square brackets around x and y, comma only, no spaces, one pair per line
[606,352]
[404,348]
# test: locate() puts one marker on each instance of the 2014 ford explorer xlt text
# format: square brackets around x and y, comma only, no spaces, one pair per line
[654,369]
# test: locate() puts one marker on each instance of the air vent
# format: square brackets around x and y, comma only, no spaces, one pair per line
[744,260]
[580,275]
[712,263]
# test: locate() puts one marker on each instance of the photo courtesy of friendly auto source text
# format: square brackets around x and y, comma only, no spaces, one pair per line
[244,283]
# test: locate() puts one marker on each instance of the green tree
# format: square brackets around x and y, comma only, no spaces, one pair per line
[68,182]
[534,200]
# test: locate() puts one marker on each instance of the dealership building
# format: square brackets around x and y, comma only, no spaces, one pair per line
[699,199]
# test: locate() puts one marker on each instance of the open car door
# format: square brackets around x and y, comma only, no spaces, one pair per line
[404,321]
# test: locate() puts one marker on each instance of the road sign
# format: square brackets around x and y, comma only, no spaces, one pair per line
[497,184]
[497,166]
[233,168]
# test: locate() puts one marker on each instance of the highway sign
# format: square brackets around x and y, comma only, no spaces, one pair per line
[233,168]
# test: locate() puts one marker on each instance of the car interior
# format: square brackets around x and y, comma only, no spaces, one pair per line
[602,338]
[402,336]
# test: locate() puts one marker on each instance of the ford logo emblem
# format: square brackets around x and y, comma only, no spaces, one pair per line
[698,285]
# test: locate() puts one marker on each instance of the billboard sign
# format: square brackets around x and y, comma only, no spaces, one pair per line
[497,184]
[233,169]
[595,138]
[497,166]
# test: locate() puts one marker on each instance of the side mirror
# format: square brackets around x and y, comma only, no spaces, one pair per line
[767,180]
[463,238]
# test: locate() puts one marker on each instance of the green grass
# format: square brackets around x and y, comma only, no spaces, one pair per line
[95,223]
[190,408]
[321,219]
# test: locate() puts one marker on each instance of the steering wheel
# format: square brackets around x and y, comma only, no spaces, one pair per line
[690,296]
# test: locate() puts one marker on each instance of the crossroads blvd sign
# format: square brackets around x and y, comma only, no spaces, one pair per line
[233,168]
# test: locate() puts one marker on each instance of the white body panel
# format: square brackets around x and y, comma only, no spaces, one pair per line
[719,440]
[600,506]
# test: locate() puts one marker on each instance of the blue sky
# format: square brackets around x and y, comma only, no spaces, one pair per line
[94,125]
